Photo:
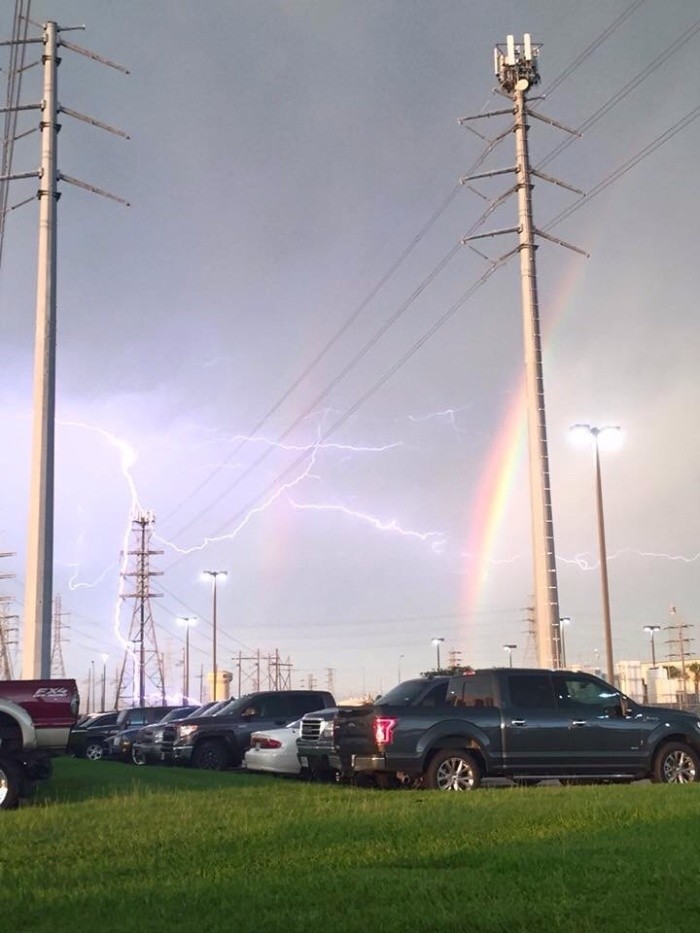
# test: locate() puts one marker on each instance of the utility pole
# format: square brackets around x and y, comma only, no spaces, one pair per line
[36,655]
[517,72]
[142,630]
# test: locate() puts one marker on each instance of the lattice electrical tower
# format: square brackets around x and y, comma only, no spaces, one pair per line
[141,679]
[58,666]
[8,629]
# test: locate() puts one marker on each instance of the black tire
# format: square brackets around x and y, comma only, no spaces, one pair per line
[138,757]
[11,783]
[211,755]
[452,769]
[94,751]
[676,763]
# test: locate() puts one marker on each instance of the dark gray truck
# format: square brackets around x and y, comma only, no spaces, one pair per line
[448,732]
[220,741]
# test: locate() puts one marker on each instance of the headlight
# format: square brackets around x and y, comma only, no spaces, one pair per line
[697,723]
[184,731]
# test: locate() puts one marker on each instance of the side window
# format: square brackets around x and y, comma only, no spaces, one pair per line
[436,696]
[135,718]
[472,691]
[531,691]
[580,692]
[277,707]
[298,705]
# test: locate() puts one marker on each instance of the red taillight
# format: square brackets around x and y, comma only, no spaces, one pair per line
[264,741]
[384,730]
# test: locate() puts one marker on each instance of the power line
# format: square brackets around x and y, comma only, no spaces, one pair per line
[477,284]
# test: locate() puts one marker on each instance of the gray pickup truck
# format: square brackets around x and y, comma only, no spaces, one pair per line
[450,732]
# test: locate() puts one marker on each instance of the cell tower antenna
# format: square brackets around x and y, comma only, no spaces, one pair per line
[516,68]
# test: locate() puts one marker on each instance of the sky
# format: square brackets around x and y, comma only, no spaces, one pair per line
[293,178]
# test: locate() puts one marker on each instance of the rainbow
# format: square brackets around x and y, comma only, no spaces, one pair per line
[493,495]
[507,453]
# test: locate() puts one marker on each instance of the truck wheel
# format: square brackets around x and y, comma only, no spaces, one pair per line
[138,757]
[452,769]
[676,763]
[10,783]
[94,751]
[210,756]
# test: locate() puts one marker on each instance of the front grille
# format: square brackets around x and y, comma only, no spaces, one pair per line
[169,734]
[311,729]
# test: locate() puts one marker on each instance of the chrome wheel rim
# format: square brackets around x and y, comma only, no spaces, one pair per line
[93,752]
[455,774]
[679,768]
[4,787]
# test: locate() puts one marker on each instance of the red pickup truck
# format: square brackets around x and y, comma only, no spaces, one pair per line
[36,717]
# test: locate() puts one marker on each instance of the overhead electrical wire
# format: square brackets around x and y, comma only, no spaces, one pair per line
[608,31]
[477,284]
[15,70]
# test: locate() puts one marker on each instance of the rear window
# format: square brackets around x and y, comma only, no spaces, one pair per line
[408,692]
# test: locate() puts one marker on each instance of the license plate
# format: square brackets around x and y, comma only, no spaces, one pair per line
[304,761]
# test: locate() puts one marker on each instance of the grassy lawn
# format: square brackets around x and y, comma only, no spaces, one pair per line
[108,846]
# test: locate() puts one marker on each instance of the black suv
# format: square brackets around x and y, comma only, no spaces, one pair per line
[88,741]
[220,741]
[88,736]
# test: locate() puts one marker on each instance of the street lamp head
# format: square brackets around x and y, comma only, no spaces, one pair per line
[652,629]
[438,641]
[214,574]
[565,620]
[607,437]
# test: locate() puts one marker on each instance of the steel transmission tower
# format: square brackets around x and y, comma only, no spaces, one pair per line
[36,655]
[516,69]
[58,666]
[8,628]
[141,674]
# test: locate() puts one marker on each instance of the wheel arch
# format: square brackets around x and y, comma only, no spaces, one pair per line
[681,737]
[16,725]
[468,743]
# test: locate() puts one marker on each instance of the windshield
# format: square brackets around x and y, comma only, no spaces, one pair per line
[404,694]
[234,706]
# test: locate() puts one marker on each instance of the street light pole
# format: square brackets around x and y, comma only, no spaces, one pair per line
[652,629]
[562,623]
[104,681]
[510,649]
[437,642]
[214,574]
[399,668]
[187,622]
[602,552]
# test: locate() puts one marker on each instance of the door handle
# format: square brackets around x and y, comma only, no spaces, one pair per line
[518,722]
[579,722]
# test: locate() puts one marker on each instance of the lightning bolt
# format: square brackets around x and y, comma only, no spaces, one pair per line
[436,539]
[229,535]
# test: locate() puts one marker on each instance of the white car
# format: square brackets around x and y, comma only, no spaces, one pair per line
[274,751]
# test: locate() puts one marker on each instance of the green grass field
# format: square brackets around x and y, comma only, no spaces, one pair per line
[106,846]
